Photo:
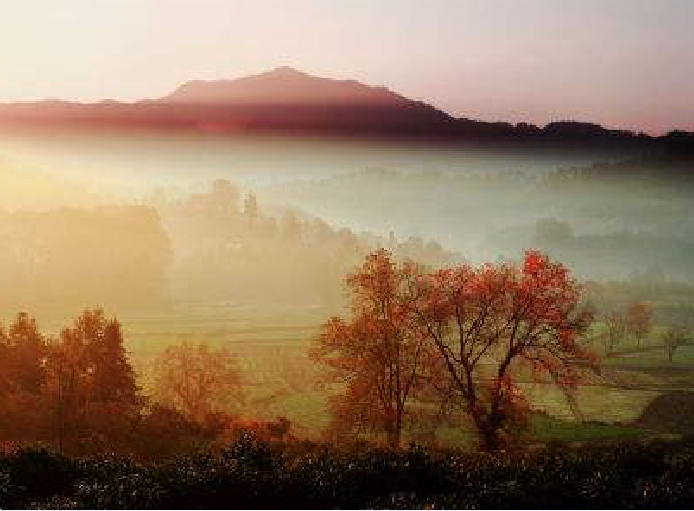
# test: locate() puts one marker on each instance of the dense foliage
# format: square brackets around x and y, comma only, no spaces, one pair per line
[464,332]
[253,474]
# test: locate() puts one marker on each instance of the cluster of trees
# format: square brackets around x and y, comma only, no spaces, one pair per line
[420,344]
[214,245]
[610,253]
[673,338]
[665,168]
[670,302]
[227,247]
[455,338]
[636,321]
[78,394]
[606,225]
[74,391]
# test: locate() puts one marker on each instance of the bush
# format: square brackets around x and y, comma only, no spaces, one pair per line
[253,473]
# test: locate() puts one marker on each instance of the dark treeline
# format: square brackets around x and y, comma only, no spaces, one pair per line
[671,165]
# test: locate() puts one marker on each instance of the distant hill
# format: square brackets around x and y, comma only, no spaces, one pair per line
[283,86]
[288,101]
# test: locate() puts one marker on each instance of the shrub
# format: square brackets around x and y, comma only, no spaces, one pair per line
[253,473]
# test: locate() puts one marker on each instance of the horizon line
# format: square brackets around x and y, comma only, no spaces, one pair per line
[285,67]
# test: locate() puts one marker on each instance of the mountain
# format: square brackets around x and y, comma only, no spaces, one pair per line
[288,101]
[282,86]
[285,99]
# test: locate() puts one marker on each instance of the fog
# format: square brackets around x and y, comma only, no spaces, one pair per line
[175,208]
[132,162]
[244,243]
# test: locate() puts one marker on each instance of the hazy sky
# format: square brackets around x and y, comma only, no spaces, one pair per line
[626,63]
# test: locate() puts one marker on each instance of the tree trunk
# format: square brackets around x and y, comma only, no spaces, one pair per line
[487,432]
[490,440]
[393,433]
[394,439]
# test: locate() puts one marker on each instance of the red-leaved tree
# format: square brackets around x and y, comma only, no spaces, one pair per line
[375,358]
[488,322]
[638,318]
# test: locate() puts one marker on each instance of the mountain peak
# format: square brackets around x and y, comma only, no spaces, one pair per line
[282,85]
[286,71]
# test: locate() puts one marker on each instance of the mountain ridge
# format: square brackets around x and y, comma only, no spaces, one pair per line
[287,101]
[281,85]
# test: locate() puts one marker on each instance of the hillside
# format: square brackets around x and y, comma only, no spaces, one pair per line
[283,85]
[287,101]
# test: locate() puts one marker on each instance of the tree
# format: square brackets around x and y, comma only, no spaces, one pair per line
[23,350]
[638,320]
[250,207]
[375,357]
[614,331]
[225,197]
[290,227]
[672,338]
[22,353]
[92,384]
[198,380]
[487,323]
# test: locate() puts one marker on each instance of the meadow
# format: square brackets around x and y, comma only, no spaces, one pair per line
[271,344]
[261,280]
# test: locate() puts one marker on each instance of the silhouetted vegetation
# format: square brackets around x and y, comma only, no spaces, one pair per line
[250,474]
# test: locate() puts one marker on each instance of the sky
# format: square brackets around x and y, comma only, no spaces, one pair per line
[621,63]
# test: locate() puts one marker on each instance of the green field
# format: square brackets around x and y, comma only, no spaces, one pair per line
[271,344]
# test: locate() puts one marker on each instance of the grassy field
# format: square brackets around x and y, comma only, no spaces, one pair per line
[224,323]
[271,344]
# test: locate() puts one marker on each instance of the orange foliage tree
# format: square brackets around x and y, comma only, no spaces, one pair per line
[197,379]
[22,353]
[638,320]
[22,350]
[376,358]
[487,322]
[90,380]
